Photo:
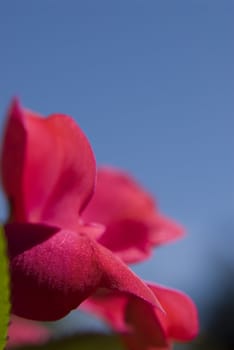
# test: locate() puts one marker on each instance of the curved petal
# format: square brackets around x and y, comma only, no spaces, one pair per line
[148,330]
[180,321]
[157,329]
[124,314]
[133,223]
[122,196]
[24,332]
[53,270]
[118,277]
[129,239]
[48,167]
[110,307]
[165,230]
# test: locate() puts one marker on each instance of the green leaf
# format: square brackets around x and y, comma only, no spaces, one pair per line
[4,292]
[88,341]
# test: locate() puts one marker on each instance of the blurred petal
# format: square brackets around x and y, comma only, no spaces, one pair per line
[147,330]
[129,239]
[128,317]
[181,319]
[165,230]
[24,332]
[142,326]
[133,224]
[132,343]
[127,199]
[179,322]
[110,307]
[53,270]
[48,167]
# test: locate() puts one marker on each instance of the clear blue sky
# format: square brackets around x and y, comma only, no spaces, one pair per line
[151,83]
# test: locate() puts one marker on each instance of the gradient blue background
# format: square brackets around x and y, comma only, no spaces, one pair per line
[151,83]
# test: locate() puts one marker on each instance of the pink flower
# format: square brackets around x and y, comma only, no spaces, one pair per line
[23,332]
[48,174]
[60,258]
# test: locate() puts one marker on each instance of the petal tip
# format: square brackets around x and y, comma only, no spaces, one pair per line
[15,109]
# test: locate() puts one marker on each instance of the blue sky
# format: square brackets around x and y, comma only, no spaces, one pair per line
[151,83]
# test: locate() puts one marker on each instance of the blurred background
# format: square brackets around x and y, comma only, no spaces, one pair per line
[151,83]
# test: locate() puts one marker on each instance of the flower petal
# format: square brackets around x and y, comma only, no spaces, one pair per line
[127,199]
[53,270]
[165,230]
[133,223]
[118,277]
[24,332]
[110,307]
[180,320]
[129,239]
[147,329]
[13,156]
[124,314]
[48,167]
[157,329]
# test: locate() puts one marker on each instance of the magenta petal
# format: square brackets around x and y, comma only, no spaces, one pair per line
[165,230]
[24,332]
[117,276]
[147,329]
[12,161]
[142,326]
[53,270]
[129,239]
[118,197]
[110,307]
[133,224]
[180,321]
[48,167]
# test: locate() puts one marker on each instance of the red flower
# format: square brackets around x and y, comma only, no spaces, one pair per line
[59,258]
[48,173]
